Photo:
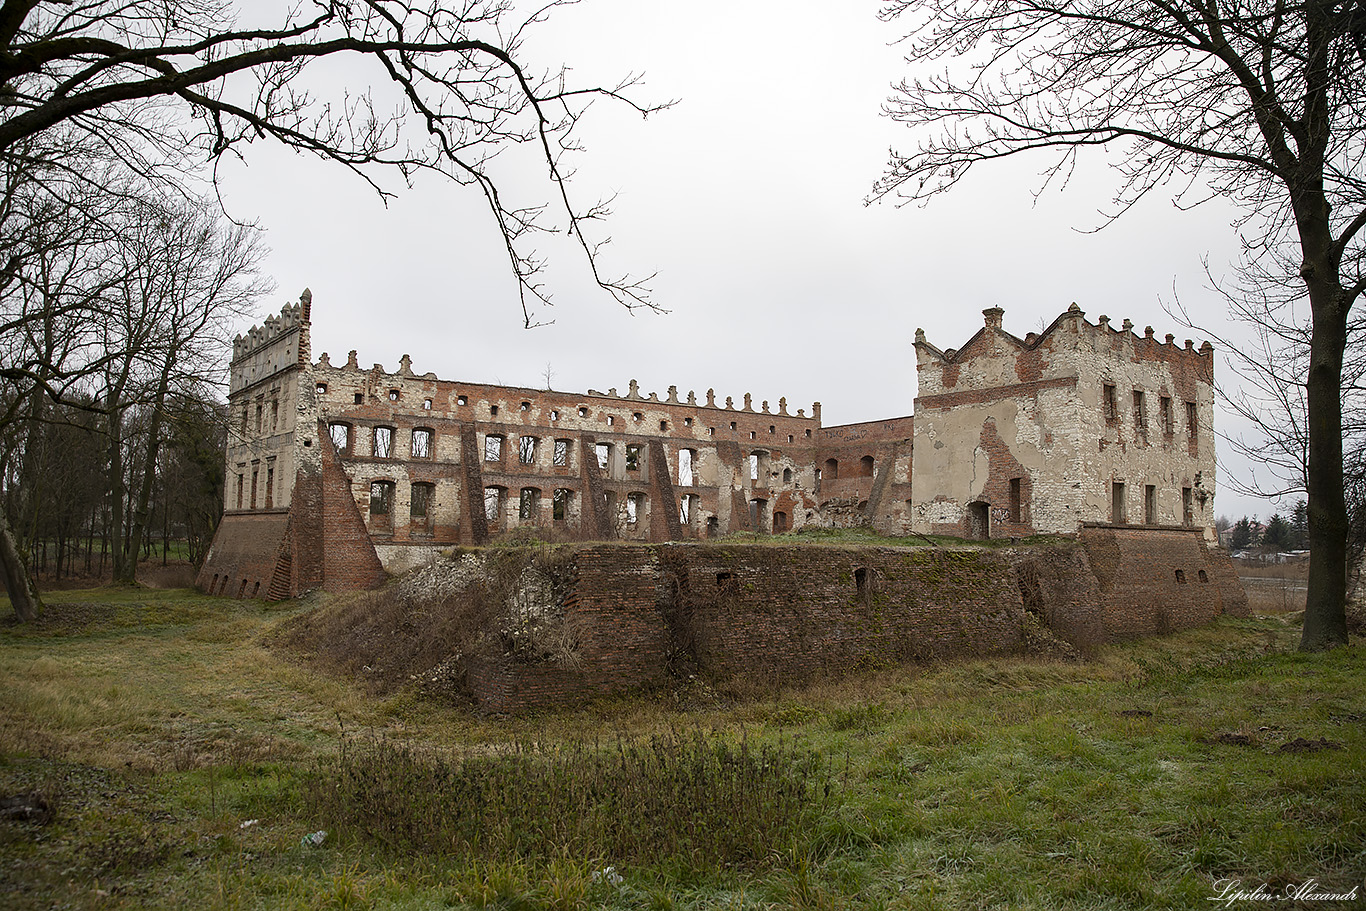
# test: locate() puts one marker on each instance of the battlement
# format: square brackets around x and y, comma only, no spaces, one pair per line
[633,393]
[278,344]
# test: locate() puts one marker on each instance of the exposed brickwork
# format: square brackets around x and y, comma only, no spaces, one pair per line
[786,615]
[1150,580]
[246,548]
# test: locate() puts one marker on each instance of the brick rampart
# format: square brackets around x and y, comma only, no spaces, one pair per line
[245,551]
[788,615]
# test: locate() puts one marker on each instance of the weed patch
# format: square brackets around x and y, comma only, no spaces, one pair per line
[686,801]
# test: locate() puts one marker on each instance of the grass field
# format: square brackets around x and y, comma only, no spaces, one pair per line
[157,750]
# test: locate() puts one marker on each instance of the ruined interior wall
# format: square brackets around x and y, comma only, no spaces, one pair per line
[865,475]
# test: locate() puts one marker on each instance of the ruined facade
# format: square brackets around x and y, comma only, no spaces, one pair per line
[337,474]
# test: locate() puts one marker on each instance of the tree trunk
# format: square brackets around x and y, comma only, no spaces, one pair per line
[1325,615]
[23,594]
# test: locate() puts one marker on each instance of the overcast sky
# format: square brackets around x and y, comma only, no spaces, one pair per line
[747,198]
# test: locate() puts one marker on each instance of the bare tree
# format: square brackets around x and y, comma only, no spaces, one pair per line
[1261,103]
[147,78]
[146,89]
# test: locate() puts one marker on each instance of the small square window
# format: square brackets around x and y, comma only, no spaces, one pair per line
[526,406]
[687,422]
[732,425]
[322,389]
[752,434]
[554,414]
[360,398]
[393,395]
[462,400]
[663,425]
[789,438]
[583,412]
[426,404]
[493,410]
[611,420]
[808,434]
[637,417]
[772,429]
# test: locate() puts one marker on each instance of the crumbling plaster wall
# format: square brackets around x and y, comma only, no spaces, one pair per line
[1049,423]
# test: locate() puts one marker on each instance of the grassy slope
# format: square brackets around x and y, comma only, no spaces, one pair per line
[158,722]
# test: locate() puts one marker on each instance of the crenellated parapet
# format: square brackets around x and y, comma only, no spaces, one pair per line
[278,344]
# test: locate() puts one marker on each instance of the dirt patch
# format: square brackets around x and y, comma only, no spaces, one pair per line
[1302,745]
[1231,738]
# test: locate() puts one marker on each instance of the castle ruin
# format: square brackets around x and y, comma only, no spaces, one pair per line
[338,475]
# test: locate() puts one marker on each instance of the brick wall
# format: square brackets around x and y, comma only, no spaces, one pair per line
[787,615]
[242,560]
[1154,580]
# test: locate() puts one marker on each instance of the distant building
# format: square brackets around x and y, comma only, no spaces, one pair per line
[337,475]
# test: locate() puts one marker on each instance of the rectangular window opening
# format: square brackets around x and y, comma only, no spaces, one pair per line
[560,454]
[383,442]
[493,448]
[422,443]
[526,450]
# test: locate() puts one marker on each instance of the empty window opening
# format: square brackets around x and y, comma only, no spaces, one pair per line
[865,583]
[1016,501]
[383,442]
[752,434]
[583,412]
[611,420]
[393,395]
[1181,577]
[633,457]
[787,475]
[711,431]
[732,425]
[426,404]
[255,473]
[663,425]
[493,503]
[420,501]
[493,448]
[808,434]
[560,455]
[772,429]
[321,389]
[1164,414]
[818,480]
[604,451]
[559,504]
[1118,514]
[979,520]
[381,499]
[528,505]
[1110,405]
[1140,412]
[1187,508]
[754,466]
[865,467]
[1149,504]
[780,523]
[493,410]
[713,526]
[341,437]
[270,486]
[1203,576]
[462,400]
[758,514]
[635,505]
[637,417]
[554,414]
[526,406]
[687,422]
[684,511]
[832,469]
[422,442]
[526,450]
[685,461]
[359,398]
